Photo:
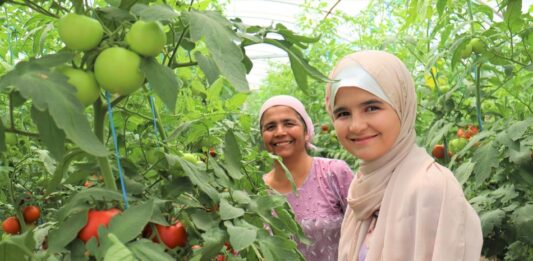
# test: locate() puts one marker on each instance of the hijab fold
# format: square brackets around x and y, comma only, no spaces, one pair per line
[423,214]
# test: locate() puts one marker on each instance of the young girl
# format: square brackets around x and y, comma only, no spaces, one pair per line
[322,184]
[402,205]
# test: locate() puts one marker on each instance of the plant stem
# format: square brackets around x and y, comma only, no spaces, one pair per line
[105,167]
[478,97]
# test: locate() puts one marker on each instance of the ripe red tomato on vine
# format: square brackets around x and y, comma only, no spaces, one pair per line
[31,213]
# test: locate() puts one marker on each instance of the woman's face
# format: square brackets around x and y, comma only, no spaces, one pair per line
[366,126]
[283,131]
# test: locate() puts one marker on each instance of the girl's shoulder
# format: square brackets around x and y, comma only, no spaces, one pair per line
[330,163]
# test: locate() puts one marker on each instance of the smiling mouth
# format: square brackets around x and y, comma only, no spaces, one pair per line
[363,139]
[282,143]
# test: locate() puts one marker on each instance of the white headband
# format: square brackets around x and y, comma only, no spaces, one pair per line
[356,76]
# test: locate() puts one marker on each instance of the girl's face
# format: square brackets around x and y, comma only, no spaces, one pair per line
[283,131]
[366,126]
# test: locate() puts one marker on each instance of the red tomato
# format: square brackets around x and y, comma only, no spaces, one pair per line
[472,130]
[438,151]
[220,258]
[31,214]
[96,219]
[11,225]
[173,235]
[212,152]
[461,133]
[324,128]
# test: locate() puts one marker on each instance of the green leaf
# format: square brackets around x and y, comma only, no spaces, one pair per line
[490,220]
[117,251]
[240,197]
[204,220]
[228,211]
[163,80]
[129,224]
[278,248]
[208,66]
[517,129]
[220,173]
[2,137]
[523,221]
[67,231]
[219,39]
[145,249]
[197,177]
[79,200]
[154,12]
[464,171]
[9,250]
[300,75]
[241,235]
[232,155]
[486,158]
[311,71]
[50,91]
[512,14]
[52,137]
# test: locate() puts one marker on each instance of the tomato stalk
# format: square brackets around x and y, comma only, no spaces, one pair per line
[478,97]
[105,167]
[18,213]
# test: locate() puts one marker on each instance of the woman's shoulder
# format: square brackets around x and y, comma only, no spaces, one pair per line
[331,163]
[434,180]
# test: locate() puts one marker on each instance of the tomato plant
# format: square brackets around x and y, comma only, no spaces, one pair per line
[80,32]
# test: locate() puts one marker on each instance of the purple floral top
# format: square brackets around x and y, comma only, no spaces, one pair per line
[319,207]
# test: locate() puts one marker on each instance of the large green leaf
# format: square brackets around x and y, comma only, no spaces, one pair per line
[220,41]
[232,155]
[156,12]
[486,159]
[163,80]
[147,250]
[2,137]
[67,231]
[204,221]
[490,220]
[208,66]
[298,58]
[227,211]
[241,235]
[118,251]
[132,221]
[52,137]
[523,220]
[50,91]
[197,177]
[278,248]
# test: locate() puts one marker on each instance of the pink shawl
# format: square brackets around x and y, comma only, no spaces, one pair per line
[423,214]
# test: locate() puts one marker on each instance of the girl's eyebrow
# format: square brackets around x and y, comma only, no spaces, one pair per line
[363,104]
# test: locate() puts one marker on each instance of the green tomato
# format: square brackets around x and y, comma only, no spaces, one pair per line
[191,158]
[117,70]
[146,38]
[80,32]
[10,138]
[88,91]
[457,144]
[478,46]
[467,51]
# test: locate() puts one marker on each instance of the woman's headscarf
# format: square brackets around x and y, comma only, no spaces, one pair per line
[423,214]
[295,104]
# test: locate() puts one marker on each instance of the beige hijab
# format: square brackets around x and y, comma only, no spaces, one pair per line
[423,214]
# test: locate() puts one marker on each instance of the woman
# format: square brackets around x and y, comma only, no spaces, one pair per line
[402,204]
[321,183]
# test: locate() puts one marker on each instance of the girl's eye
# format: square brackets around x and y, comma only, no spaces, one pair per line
[372,108]
[341,114]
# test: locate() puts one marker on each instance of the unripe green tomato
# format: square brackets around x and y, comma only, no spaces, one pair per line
[80,32]
[146,38]
[191,158]
[478,46]
[457,144]
[88,91]
[117,70]
[467,51]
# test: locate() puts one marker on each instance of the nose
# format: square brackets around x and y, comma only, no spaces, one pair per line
[279,131]
[357,124]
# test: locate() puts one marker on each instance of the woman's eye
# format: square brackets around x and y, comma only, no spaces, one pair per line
[341,114]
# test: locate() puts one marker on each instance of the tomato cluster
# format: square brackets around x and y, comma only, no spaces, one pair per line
[30,213]
[456,144]
[116,69]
